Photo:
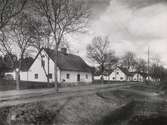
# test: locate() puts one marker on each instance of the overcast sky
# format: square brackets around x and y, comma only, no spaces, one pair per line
[132,25]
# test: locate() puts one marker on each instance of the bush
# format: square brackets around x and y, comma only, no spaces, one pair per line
[4,112]
[34,114]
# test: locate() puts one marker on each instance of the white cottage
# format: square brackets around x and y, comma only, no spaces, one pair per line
[119,74]
[149,78]
[71,68]
[138,77]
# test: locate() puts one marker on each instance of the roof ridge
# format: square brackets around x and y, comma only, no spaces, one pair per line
[68,61]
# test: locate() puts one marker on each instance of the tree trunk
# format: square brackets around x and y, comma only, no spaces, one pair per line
[48,70]
[48,79]
[102,76]
[102,79]
[17,80]
[55,69]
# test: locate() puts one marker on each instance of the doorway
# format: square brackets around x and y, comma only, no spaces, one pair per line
[78,77]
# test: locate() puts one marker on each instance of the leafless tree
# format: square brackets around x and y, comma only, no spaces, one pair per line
[9,9]
[156,68]
[42,34]
[18,40]
[99,51]
[62,17]
[141,65]
[129,60]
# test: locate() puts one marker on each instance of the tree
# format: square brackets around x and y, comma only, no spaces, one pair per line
[156,69]
[10,61]
[42,34]
[62,17]
[129,61]
[19,38]
[99,52]
[10,9]
[26,62]
[3,67]
[163,74]
[141,65]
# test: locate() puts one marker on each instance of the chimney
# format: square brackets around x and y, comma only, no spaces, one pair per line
[64,50]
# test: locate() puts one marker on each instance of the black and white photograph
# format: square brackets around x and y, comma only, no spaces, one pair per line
[83,62]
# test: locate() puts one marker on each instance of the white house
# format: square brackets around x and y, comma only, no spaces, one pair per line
[150,78]
[119,74]
[138,77]
[71,68]
[122,74]
[98,76]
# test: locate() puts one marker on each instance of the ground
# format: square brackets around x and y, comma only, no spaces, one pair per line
[15,97]
[91,107]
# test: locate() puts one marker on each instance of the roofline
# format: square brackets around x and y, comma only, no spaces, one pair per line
[119,68]
[55,62]
[122,71]
[75,70]
[35,57]
[69,70]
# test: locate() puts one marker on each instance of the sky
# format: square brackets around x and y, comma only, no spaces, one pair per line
[131,25]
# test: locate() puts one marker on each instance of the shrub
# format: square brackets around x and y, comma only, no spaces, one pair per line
[4,112]
[34,114]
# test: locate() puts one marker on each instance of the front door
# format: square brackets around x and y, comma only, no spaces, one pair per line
[78,77]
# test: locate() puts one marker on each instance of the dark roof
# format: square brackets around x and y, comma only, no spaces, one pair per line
[141,73]
[144,74]
[105,73]
[69,62]
[124,70]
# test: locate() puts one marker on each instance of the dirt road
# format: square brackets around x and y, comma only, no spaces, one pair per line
[27,96]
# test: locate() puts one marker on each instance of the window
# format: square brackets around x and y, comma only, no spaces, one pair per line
[43,56]
[117,73]
[86,76]
[121,78]
[50,75]
[36,76]
[113,78]
[43,63]
[68,76]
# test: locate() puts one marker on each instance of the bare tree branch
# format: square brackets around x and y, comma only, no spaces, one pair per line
[99,51]
[9,9]
[62,16]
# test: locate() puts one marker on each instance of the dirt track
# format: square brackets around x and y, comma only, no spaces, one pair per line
[9,100]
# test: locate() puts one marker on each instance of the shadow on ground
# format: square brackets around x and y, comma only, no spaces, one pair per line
[139,110]
[31,114]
